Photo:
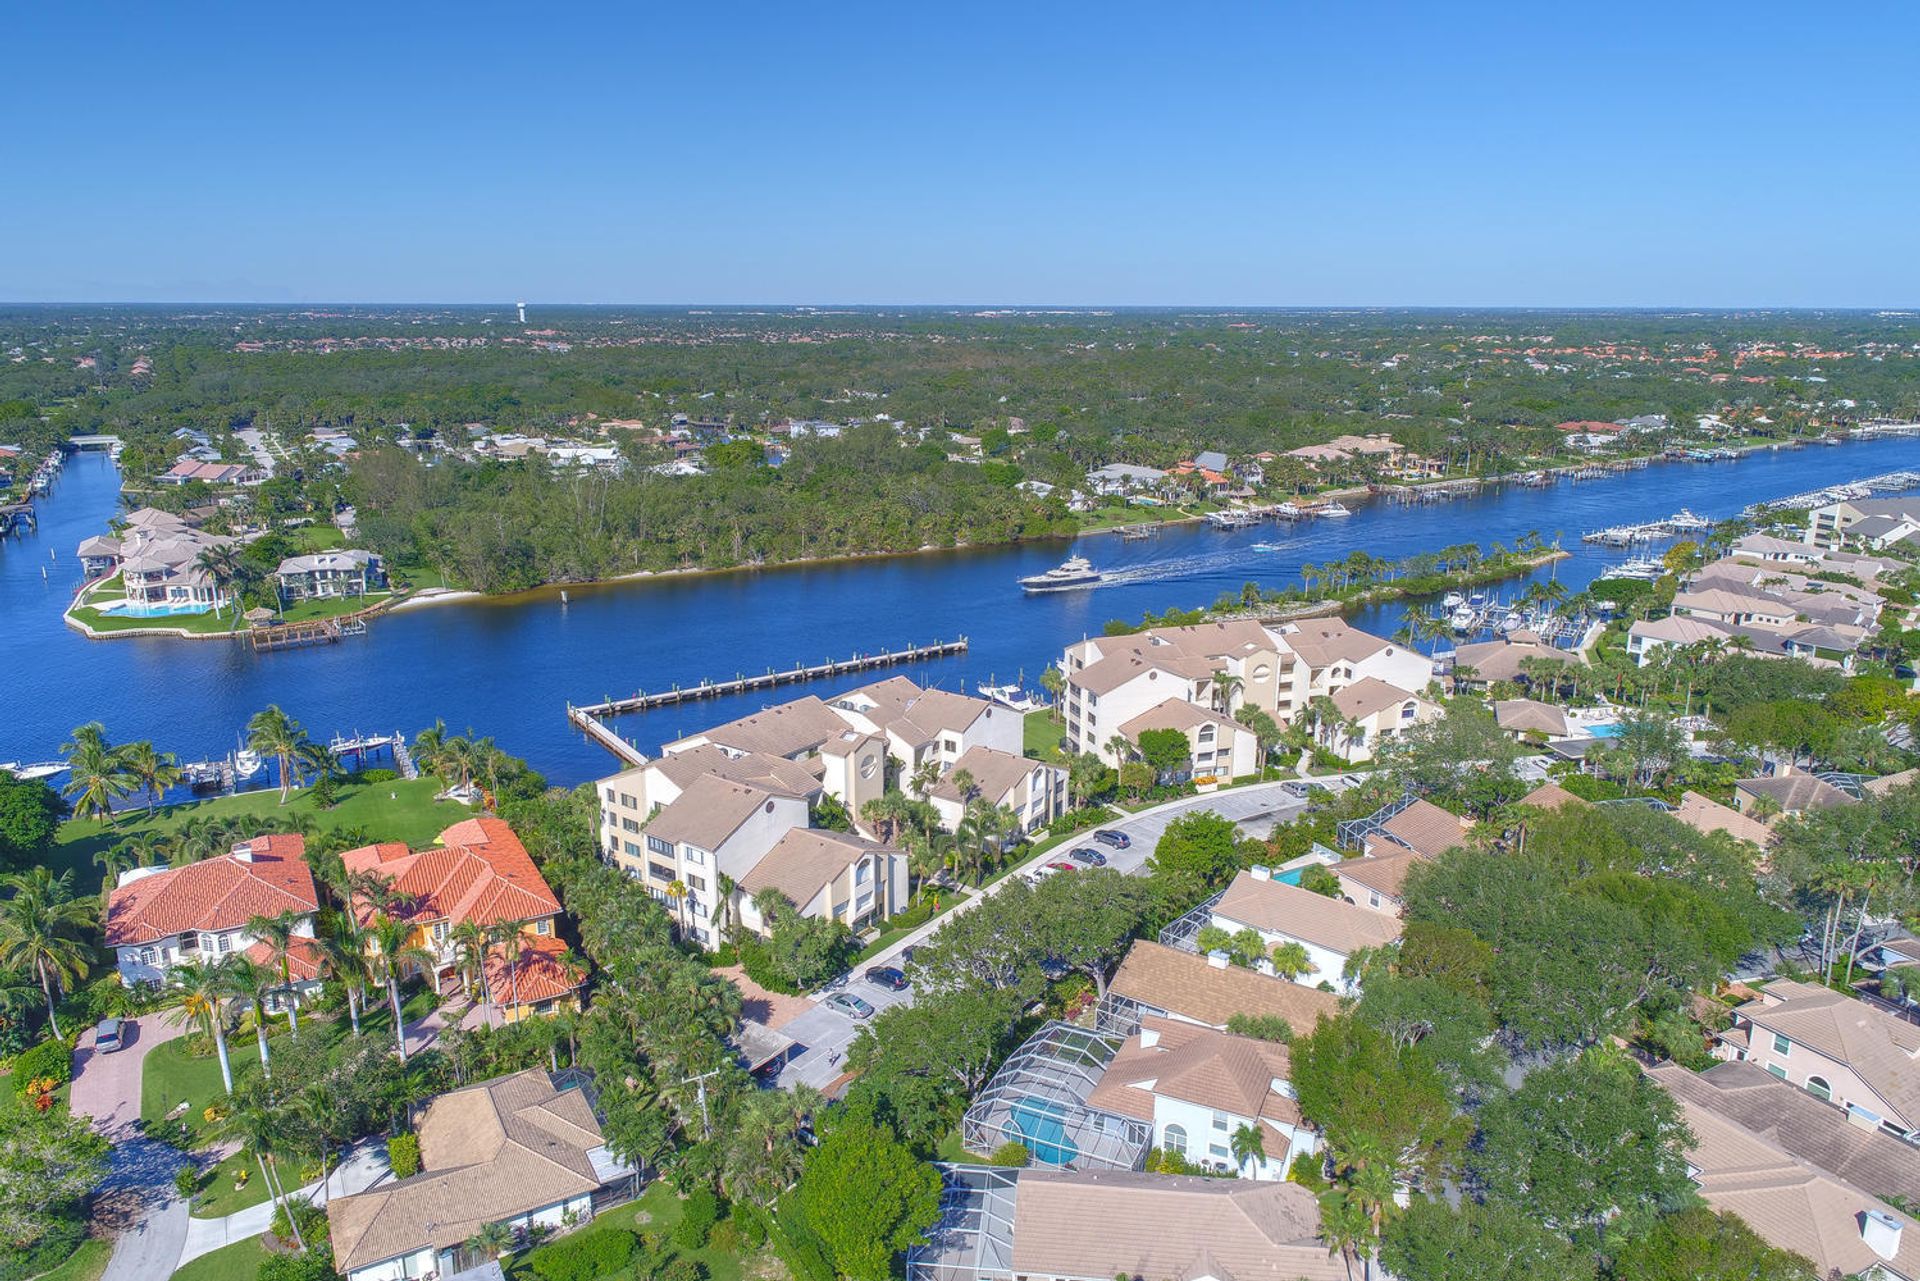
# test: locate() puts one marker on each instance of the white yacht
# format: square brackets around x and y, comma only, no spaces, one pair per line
[1076,571]
[37,770]
[1335,507]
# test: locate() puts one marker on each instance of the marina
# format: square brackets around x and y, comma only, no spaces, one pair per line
[505,667]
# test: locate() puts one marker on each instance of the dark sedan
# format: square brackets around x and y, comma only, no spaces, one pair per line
[1088,855]
[888,977]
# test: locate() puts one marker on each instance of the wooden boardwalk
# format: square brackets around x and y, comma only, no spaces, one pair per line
[588,717]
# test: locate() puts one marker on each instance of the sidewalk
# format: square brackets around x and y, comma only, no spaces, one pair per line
[365,1166]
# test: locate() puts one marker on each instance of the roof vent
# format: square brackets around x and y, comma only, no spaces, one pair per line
[243,852]
[1881,1232]
[1218,959]
[1149,1037]
[1260,872]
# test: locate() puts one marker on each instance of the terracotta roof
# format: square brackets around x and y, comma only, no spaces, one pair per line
[488,1152]
[1383,873]
[1425,828]
[710,810]
[1117,1223]
[1878,1047]
[1552,796]
[1369,695]
[479,872]
[219,893]
[802,862]
[1704,815]
[1523,714]
[1279,908]
[1192,987]
[541,977]
[304,959]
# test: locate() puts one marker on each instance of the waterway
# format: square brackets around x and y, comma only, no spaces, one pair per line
[507,667]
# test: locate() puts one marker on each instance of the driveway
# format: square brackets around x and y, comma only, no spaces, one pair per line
[822,1035]
[137,1199]
[106,1087]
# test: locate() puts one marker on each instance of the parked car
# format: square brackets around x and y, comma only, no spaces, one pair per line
[1088,855]
[848,1004]
[1114,840]
[888,977]
[107,1037]
[1064,866]
[907,955]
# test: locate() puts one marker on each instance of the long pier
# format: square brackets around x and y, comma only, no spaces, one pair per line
[588,718]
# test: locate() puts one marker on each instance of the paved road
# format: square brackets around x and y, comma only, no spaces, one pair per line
[822,1034]
[137,1197]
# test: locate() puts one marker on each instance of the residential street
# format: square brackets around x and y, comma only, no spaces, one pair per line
[822,1035]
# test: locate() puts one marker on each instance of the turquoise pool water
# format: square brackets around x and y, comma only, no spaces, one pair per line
[1036,1124]
[1607,730]
[1292,875]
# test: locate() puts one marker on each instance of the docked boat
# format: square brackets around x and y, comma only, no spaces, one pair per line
[1012,696]
[1463,618]
[1333,508]
[1685,522]
[1136,533]
[1644,571]
[1074,572]
[34,770]
[1453,600]
[1235,518]
[246,763]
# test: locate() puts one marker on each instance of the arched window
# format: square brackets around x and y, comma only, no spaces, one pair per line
[1818,1087]
[1174,1139]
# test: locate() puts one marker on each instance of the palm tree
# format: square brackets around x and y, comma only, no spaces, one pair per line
[96,773]
[677,894]
[155,771]
[1248,1146]
[393,950]
[276,734]
[429,745]
[200,990]
[762,1152]
[512,944]
[138,851]
[492,1240]
[724,886]
[222,564]
[1225,686]
[319,1107]
[342,958]
[278,933]
[259,1128]
[887,814]
[255,984]
[469,939]
[925,775]
[43,931]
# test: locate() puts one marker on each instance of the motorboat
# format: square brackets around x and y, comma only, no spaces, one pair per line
[1644,571]
[1266,547]
[36,770]
[1333,508]
[246,763]
[1463,618]
[1013,697]
[1074,572]
[1685,522]
[1453,600]
[1512,622]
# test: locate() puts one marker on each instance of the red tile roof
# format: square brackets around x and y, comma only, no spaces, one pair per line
[303,959]
[215,894]
[542,977]
[479,872]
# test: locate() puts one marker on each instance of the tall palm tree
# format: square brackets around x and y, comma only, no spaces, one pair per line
[318,1106]
[222,564]
[469,939]
[155,771]
[391,951]
[1248,1146]
[255,984]
[343,959]
[96,773]
[44,931]
[200,990]
[259,1129]
[274,733]
[278,932]
[138,851]
[512,944]
[1225,686]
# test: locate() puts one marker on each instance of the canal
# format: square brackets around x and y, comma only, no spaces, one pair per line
[506,668]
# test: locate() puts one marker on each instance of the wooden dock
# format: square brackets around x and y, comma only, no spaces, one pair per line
[588,717]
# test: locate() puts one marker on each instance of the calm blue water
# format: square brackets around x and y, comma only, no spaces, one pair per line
[507,668]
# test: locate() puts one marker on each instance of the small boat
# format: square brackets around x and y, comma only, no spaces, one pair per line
[1684,522]
[1512,622]
[1266,547]
[36,770]
[1335,508]
[1012,696]
[1135,533]
[246,763]
[1453,600]
[1074,572]
[1462,618]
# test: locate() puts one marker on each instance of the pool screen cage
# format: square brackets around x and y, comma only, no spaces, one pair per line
[1038,1098]
[973,1241]
[1185,932]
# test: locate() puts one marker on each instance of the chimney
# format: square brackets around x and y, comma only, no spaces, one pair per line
[1881,1232]
[243,852]
[1260,873]
[1149,1037]
[1218,959]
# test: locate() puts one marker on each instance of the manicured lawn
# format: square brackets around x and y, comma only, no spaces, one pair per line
[400,810]
[218,1197]
[315,538]
[84,1264]
[951,1149]
[1043,735]
[906,922]
[656,1211]
[311,611]
[237,1262]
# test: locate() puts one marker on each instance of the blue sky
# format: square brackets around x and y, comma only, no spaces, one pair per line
[1270,154]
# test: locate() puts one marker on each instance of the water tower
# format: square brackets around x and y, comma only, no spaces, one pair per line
[523,312]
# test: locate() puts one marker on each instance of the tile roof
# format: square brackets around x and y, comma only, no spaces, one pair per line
[1500,660]
[1383,873]
[1796,793]
[540,976]
[787,730]
[1279,908]
[487,1153]
[1705,815]
[802,862]
[774,774]
[1425,828]
[1178,713]
[1198,1065]
[710,810]
[995,773]
[1552,796]
[1108,1223]
[1192,987]
[1889,782]
[479,872]
[1880,1048]
[1525,714]
[1322,642]
[219,893]
[1368,696]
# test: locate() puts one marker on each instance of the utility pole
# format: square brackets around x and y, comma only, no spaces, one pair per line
[706,1121]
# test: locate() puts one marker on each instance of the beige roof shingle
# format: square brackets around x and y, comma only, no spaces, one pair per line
[1880,1048]
[1192,987]
[1278,908]
[802,862]
[1368,696]
[1705,815]
[1522,715]
[995,774]
[1425,828]
[710,810]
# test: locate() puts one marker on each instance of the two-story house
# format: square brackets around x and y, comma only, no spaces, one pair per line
[1330,929]
[330,575]
[1370,712]
[1836,1048]
[479,872]
[159,917]
[1035,791]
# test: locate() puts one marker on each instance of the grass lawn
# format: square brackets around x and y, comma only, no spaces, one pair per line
[400,810]
[1043,737]
[315,538]
[312,611]
[908,921]
[237,1262]
[84,1264]
[657,1211]
[951,1149]
[111,590]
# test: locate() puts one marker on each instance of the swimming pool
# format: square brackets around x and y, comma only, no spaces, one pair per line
[129,609]
[1035,1124]
[1605,729]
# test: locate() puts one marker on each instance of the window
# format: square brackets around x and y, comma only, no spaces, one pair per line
[695,882]
[1174,1139]
[1777,1070]
[659,846]
[1407,712]
[1373,898]
[627,800]
[695,856]
[543,927]
[1217,1149]
[1818,1087]
[862,873]
[633,851]
[659,872]
[609,795]
[630,825]
[1220,1122]
[1781,1045]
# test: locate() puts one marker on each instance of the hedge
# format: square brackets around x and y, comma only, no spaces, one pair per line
[585,1256]
[47,1061]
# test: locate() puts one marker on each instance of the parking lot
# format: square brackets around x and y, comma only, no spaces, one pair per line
[821,1035]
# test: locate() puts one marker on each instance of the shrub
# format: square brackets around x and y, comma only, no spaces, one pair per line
[698,1213]
[381,775]
[310,1265]
[186,1181]
[586,1256]
[311,1218]
[1012,1153]
[684,1269]
[403,1154]
[47,1061]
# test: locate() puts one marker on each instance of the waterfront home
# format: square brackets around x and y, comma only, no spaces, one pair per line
[825,875]
[1035,791]
[1157,981]
[1096,1225]
[1837,1048]
[1375,447]
[1785,795]
[1218,747]
[1330,929]
[479,872]
[1370,711]
[157,555]
[923,725]
[1802,1180]
[1121,479]
[1895,520]
[159,917]
[1648,636]
[330,575]
[715,827]
[852,762]
[628,799]
[525,1150]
